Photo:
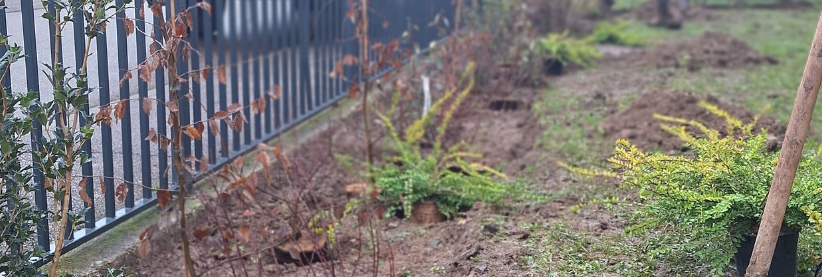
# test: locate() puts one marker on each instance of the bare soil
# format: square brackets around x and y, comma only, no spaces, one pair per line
[638,125]
[710,50]
[483,241]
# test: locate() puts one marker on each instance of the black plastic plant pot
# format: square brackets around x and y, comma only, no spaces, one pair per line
[784,256]
[553,67]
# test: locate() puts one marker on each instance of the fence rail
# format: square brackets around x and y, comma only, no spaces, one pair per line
[265,45]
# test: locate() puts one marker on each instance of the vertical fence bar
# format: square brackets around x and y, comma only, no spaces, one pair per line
[142,88]
[277,41]
[161,91]
[245,41]
[222,60]
[323,57]
[292,94]
[125,93]
[33,84]
[87,168]
[196,105]
[257,55]
[267,53]
[208,20]
[236,62]
[314,49]
[105,130]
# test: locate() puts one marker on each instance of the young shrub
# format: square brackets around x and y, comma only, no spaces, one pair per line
[614,33]
[18,215]
[442,176]
[567,49]
[714,195]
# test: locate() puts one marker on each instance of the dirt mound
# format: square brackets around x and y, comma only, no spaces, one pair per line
[637,124]
[711,49]
[648,11]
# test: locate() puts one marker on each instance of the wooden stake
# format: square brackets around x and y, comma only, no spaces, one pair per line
[783,178]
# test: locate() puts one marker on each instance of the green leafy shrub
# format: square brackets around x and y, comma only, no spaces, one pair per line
[614,33]
[420,177]
[569,49]
[18,215]
[715,194]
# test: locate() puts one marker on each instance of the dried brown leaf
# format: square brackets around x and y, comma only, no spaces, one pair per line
[262,103]
[163,197]
[180,30]
[239,163]
[245,234]
[205,6]
[221,115]
[221,74]
[145,248]
[238,122]
[214,127]
[147,105]
[83,195]
[201,233]
[172,106]
[128,26]
[120,192]
[188,19]
[164,142]
[206,71]
[255,107]
[354,90]
[263,159]
[233,108]
[145,72]
[152,135]
[350,60]
[192,132]
[120,109]
[126,76]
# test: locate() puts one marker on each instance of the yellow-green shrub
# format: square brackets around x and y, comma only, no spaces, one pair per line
[426,177]
[715,194]
[569,49]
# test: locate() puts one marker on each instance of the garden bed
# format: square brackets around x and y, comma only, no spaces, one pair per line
[710,50]
[485,240]
[638,125]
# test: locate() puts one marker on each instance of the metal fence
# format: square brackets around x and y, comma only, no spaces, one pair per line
[290,44]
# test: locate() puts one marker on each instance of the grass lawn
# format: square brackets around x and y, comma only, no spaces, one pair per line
[570,119]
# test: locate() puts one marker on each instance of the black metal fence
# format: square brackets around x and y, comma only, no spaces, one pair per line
[265,45]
